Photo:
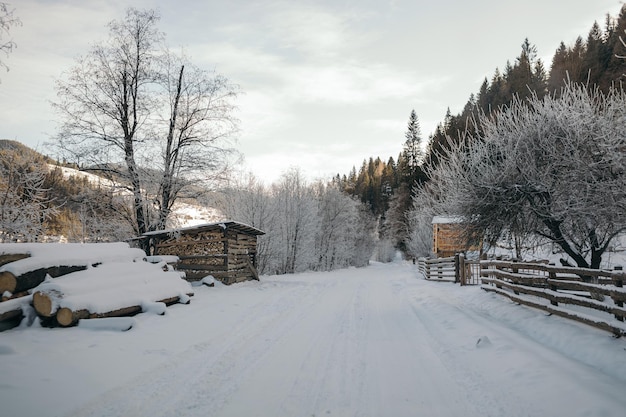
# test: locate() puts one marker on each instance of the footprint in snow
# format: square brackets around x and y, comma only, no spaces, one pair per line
[483,342]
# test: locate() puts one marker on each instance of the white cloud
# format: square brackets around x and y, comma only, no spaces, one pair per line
[325,84]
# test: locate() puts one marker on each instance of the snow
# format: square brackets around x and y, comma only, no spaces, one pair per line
[446,219]
[375,341]
[10,305]
[186,214]
[115,285]
[45,255]
[222,224]
[93,179]
[120,324]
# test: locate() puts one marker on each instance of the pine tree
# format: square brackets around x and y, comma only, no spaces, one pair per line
[412,152]
[617,61]
[558,70]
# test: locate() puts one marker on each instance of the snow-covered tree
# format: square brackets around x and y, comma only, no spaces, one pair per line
[307,226]
[24,205]
[295,210]
[552,169]
[420,237]
[343,230]
[249,201]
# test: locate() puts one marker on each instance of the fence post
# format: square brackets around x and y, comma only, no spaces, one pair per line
[462,272]
[515,270]
[457,274]
[483,257]
[618,281]
[552,275]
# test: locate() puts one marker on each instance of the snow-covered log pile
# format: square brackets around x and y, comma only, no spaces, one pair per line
[92,281]
[35,261]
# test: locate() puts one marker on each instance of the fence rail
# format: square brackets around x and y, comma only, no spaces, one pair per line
[594,297]
[439,269]
[452,269]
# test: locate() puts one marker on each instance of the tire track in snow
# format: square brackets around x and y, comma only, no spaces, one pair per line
[372,342]
[510,368]
[202,379]
[316,359]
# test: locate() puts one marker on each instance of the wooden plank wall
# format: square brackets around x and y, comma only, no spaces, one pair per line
[448,240]
[230,257]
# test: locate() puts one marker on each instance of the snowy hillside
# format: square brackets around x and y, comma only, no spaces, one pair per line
[375,341]
[184,213]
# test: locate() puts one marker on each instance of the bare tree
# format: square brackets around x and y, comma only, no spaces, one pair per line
[550,169]
[199,117]
[144,118]
[7,21]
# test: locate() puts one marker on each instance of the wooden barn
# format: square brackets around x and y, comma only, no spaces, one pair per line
[226,250]
[447,237]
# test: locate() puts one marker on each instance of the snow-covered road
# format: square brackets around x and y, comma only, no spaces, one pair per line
[376,341]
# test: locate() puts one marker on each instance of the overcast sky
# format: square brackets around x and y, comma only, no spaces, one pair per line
[325,83]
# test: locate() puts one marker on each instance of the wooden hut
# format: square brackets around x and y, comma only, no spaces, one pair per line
[226,250]
[448,237]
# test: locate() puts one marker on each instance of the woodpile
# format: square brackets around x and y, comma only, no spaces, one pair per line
[225,250]
[64,284]
[16,284]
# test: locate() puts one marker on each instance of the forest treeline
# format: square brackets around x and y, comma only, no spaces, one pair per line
[385,185]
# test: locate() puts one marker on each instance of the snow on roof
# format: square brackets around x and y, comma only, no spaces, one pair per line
[447,219]
[225,224]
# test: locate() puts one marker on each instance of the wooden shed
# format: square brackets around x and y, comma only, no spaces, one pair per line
[226,250]
[447,237]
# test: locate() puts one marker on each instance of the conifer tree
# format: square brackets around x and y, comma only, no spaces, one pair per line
[412,152]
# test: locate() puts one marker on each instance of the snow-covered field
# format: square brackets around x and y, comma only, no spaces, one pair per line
[377,341]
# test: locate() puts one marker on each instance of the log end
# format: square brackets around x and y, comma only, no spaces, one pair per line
[8,282]
[66,317]
[43,304]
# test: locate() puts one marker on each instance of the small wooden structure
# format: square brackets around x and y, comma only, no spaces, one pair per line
[226,250]
[448,237]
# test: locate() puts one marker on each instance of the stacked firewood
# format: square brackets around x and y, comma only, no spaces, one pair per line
[65,283]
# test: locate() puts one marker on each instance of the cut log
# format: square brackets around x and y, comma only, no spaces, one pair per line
[14,313]
[7,258]
[6,296]
[29,280]
[66,317]
[44,304]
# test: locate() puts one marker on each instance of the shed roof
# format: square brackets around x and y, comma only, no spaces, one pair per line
[205,227]
[447,219]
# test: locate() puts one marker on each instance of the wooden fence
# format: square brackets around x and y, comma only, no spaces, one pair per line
[451,269]
[438,269]
[591,296]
